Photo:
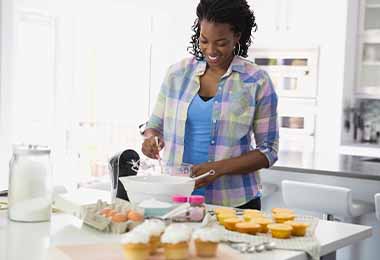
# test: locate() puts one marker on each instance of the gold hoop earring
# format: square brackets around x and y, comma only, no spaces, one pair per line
[237,50]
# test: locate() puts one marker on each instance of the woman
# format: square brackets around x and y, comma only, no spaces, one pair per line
[211,105]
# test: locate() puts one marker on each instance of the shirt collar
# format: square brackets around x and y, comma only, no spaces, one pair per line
[237,65]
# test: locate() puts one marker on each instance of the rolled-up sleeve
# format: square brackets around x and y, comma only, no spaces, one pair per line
[265,122]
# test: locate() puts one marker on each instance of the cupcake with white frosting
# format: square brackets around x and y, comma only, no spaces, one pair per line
[135,245]
[206,241]
[155,229]
[176,241]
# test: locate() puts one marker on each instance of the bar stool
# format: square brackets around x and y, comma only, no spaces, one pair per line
[377,205]
[330,200]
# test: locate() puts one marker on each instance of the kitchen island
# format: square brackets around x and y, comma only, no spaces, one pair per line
[34,241]
[360,174]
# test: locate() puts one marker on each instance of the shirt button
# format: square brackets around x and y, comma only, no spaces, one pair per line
[212,142]
[216,102]
[220,88]
[214,121]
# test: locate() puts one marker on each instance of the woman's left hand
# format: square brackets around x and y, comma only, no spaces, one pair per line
[200,169]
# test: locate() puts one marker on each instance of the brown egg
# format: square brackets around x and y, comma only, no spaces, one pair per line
[105,211]
[119,217]
[135,216]
[110,213]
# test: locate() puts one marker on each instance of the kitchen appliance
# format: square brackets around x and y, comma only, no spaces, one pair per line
[297,124]
[30,184]
[294,72]
[123,164]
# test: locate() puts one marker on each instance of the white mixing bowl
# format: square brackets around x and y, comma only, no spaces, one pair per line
[160,187]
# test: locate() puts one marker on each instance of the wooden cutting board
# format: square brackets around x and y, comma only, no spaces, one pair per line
[113,252]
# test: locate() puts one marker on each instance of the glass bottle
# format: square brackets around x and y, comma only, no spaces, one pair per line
[30,184]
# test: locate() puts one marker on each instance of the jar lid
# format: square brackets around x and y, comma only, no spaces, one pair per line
[179,198]
[197,199]
[30,149]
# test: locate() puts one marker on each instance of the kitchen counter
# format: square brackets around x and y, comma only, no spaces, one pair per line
[328,164]
[32,240]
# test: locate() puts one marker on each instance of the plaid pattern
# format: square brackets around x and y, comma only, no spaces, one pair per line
[244,118]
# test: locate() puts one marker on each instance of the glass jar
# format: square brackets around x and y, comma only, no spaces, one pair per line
[197,209]
[179,200]
[30,184]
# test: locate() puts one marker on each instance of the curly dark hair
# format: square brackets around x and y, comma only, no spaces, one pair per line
[233,12]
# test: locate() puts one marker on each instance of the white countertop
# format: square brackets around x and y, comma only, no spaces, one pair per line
[31,241]
[332,164]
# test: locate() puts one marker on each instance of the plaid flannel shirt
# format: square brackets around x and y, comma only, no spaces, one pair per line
[244,118]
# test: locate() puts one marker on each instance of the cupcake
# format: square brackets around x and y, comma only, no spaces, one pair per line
[230,223]
[252,212]
[249,214]
[135,245]
[280,230]
[176,242]
[263,222]
[283,217]
[247,227]
[206,241]
[224,216]
[224,210]
[282,210]
[154,228]
[299,228]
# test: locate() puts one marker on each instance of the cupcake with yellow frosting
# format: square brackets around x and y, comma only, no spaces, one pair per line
[135,245]
[175,241]
[280,230]
[224,210]
[299,228]
[230,223]
[263,222]
[282,210]
[249,214]
[283,217]
[247,227]
[206,241]
[224,216]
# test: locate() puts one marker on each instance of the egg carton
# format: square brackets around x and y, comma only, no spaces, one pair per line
[95,219]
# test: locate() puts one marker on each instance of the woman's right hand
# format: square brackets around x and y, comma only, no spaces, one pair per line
[150,149]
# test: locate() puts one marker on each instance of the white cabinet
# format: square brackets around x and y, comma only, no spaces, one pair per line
[368,77]
[287,21]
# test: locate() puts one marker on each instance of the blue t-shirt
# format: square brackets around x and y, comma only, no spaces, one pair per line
[198,134]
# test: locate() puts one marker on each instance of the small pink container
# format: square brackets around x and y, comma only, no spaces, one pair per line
[197,209]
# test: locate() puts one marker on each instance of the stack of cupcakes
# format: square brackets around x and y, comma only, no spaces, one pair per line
[175,241]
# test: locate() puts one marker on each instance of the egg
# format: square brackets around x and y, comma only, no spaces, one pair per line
[135,216]
[105,211]
[119,217]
